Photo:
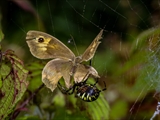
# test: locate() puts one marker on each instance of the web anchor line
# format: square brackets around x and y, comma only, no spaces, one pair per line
[157,112]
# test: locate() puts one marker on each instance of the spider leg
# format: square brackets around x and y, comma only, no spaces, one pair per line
[85,77]
[96,82]
[73,89]
[90,63]
[66,91]
[104,87]
[61,88]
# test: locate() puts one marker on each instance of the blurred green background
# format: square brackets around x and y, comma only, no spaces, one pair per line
[127,59]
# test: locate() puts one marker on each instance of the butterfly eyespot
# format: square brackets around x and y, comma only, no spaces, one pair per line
[40,40]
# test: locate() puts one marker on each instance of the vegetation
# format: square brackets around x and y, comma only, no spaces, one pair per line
[127,58]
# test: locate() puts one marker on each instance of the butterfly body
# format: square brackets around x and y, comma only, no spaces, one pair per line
[64,64]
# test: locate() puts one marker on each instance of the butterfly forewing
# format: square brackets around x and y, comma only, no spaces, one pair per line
[51,47]
[90,51]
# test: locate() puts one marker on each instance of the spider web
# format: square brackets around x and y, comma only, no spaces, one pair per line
[128,57]
[134,8]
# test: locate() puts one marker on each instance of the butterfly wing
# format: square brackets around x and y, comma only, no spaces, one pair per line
[83,72]
[90,51]
[54,70]
[45,46]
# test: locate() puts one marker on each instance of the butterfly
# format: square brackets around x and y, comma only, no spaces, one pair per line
[64,63]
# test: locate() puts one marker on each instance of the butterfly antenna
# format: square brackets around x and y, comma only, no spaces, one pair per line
[74,44]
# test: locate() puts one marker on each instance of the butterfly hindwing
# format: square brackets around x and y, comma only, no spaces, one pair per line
[54,70]
[83,72]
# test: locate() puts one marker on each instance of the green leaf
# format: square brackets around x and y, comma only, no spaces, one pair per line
[96,110]
[12,82]
[141,39]
[99,109]
[1,35]
[34,77]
